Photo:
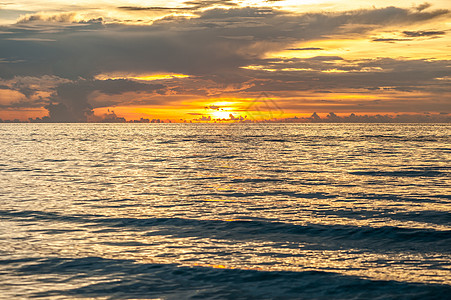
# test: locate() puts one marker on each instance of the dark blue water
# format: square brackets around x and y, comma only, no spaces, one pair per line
[225,211]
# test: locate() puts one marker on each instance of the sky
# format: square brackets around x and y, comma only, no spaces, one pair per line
[78,61]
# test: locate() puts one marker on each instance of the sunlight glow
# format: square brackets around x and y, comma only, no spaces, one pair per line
[160,77]
[142,77]
[362,48]
[221,114]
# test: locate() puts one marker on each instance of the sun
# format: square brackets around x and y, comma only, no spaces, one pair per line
[221,114]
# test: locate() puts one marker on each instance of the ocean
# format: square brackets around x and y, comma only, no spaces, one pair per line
[225,211]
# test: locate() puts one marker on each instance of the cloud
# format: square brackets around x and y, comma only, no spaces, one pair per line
[208,3]
[404,85]
[61,18]
[423,33]
[9,97]
[355,118]
[195,46]
[68,100]
[47,17]
[396,15]
[412,34]
[73,102]
[191,6]
[153,8]
[325,58]
[305,49]
[31,91]
[423,6]
[214,107]
[31,39]
[29,85]
[212,46]
[390,40]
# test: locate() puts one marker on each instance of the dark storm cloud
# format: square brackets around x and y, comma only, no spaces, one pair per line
[73,96]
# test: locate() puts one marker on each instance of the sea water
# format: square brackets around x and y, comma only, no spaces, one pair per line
[225,211]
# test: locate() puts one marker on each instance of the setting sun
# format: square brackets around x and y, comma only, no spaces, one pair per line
[221,114]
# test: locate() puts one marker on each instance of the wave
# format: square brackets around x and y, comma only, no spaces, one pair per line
[376,239]
[406,173]
[120,279]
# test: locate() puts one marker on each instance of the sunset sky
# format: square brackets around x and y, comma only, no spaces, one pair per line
[187,60]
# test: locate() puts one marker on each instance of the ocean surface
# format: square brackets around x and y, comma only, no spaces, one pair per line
[225,211]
